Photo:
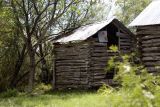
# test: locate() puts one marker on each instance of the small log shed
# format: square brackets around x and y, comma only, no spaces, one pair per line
[81,58]
[148,36]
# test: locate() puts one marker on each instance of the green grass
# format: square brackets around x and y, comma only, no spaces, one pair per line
[54,99]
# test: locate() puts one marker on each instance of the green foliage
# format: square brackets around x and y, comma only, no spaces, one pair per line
[129,9]
[9,93]
[113,48]
[42,88]
[137,87]
[8,46]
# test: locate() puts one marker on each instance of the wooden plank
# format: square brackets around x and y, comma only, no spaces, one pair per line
[147,32]
[151,45]
[151,49]
[148,37]
[122,35]
[125,44]
[155,63]
[155,58]
[151,54]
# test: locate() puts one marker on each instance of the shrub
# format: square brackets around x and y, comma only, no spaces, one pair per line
[42,88]
[9,93]
[137,87]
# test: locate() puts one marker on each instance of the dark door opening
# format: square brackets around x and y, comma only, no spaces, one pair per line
[113,40]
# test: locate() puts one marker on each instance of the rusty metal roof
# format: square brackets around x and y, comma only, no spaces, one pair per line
[87,31]
[149,16]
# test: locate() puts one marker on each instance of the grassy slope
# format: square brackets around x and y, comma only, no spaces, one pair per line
[55,99]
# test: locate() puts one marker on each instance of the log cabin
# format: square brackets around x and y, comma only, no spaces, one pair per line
[147,25]
[81,58]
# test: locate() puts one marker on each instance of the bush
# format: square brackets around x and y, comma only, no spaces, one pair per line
[137,87]
[9,93]
[42,88]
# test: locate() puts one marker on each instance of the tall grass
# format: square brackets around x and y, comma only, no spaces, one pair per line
[56,99]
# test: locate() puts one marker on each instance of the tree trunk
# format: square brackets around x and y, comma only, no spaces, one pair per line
[18,66]
[32,67]
[45,76]
[54,72]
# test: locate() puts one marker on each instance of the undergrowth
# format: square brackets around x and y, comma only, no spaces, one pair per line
[136,87]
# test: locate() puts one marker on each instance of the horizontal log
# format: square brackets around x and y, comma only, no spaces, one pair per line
[72,80]
[72,65]
[71,83]
[103,49]
[98,64]
[152,69]
[72,61]
[99,44]
[151,49]
[99,54]
[155,63]
[70,52]
[154,58]
[124,44]
[70,77]
[125,48]
[64,86]
[100,73]
[122,35]
[147,32]
[151,54]
[70,70]
[155,27]
[148,37]
[151,45]
[125,51]
[125,40]
[76,57]
[151,41]
[100,58]
[73,45]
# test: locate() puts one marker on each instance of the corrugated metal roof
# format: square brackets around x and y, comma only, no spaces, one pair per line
[84,32]
[149,16]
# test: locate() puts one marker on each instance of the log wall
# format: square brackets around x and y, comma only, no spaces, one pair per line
[71,66]
[99,57]
[126,44]
[82,65]
[149,46]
